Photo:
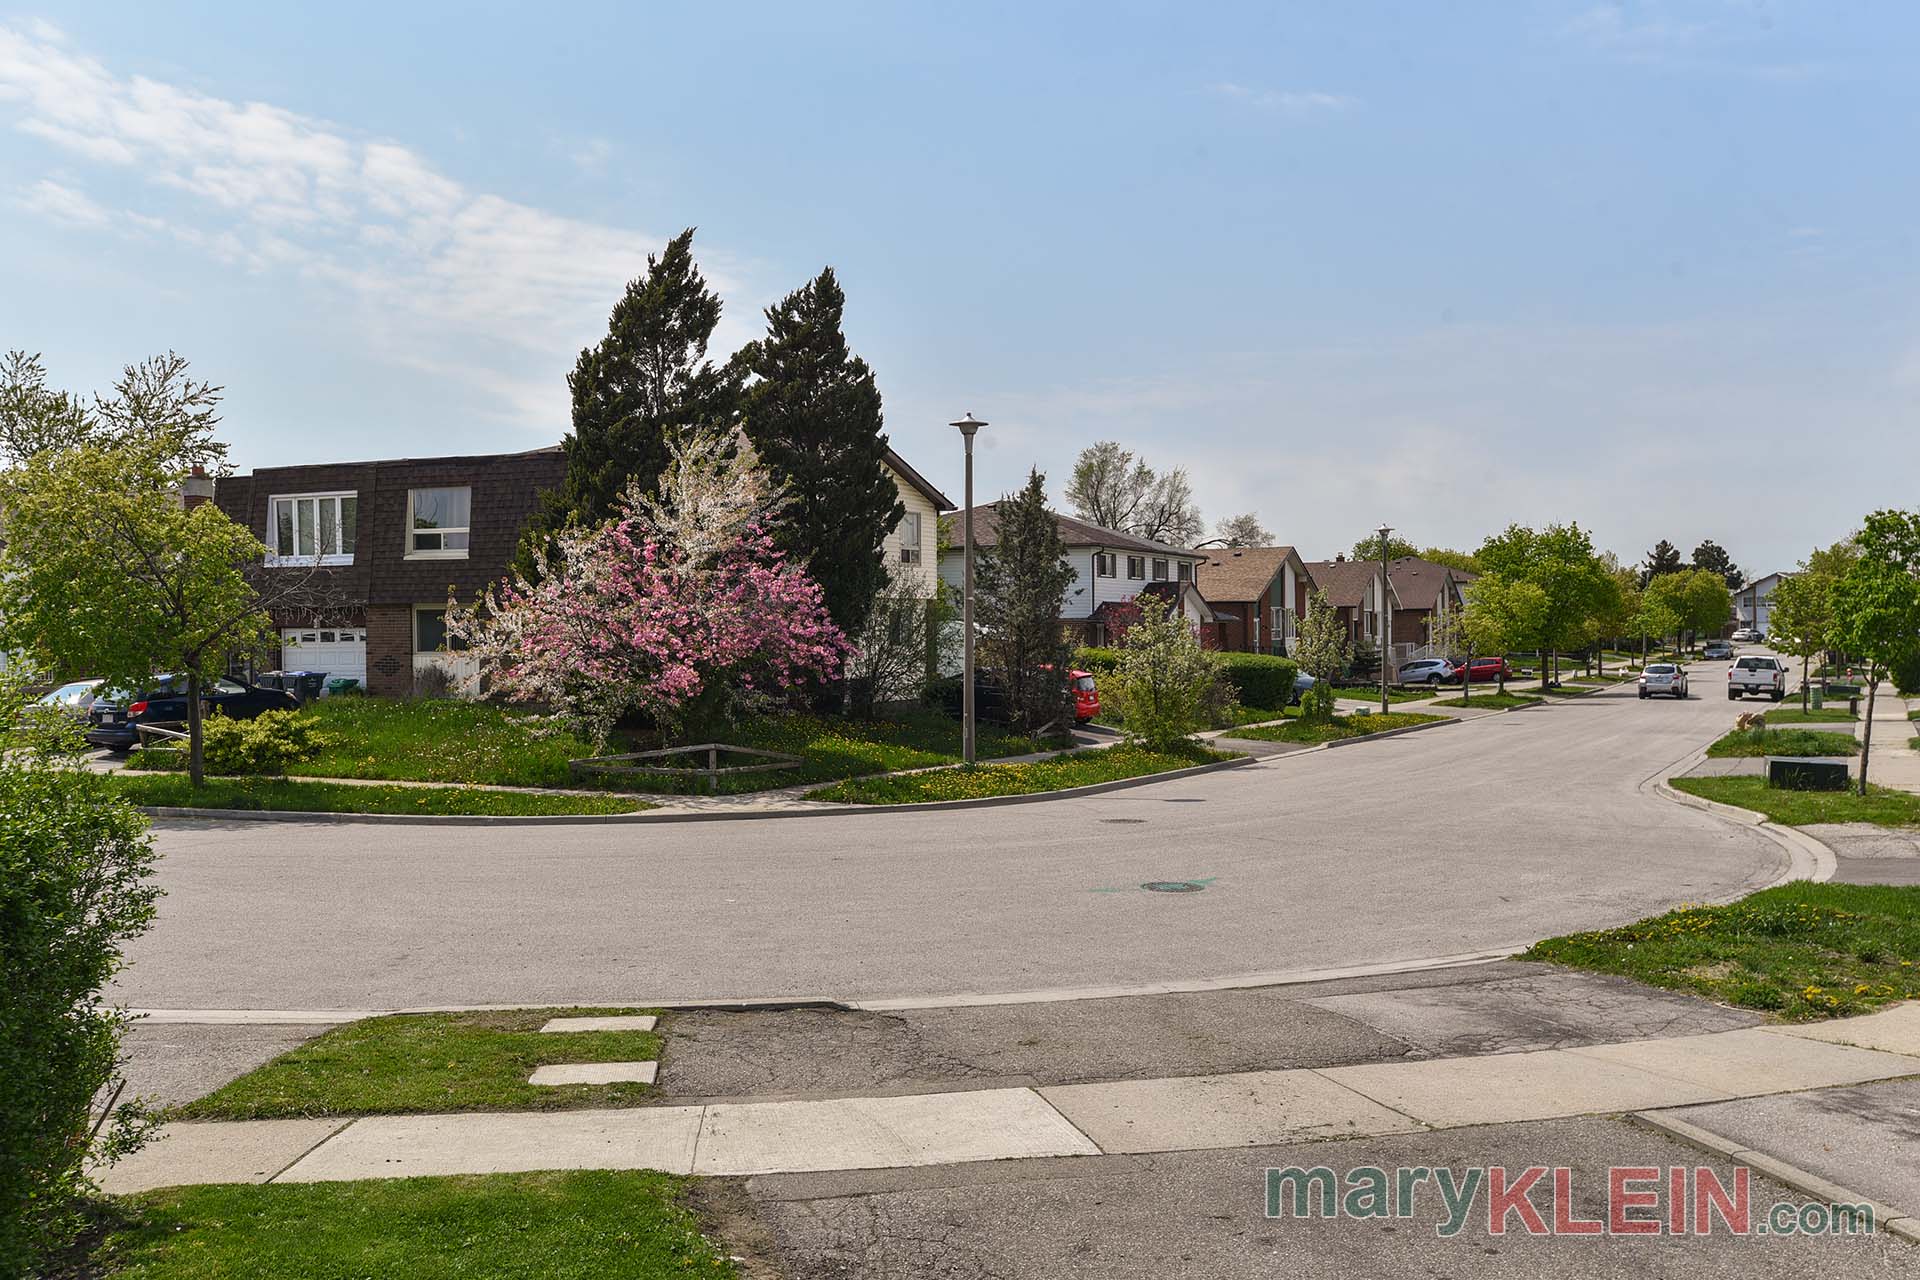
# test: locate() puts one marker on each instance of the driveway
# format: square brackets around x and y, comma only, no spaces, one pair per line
[1479,835]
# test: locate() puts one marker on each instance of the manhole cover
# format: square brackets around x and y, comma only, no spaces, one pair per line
[1121,822]
[1173,886]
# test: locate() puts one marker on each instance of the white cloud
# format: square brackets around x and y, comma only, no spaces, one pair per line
[1291,102]
[449,278]
[63,204]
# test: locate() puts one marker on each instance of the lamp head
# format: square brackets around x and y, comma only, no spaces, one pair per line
[968,425]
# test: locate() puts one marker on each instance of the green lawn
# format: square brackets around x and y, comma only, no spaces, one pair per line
[1492,701]
[1239,715]
[446,740]
[1801,950]
[1371,693]
[1825,715]
[173,790]
[411,1063]
[1075,769]
[1881,805]
[585,1225]
[1349,726]
[1786,742]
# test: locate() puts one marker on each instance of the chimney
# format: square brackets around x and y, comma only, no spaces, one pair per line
[197,488]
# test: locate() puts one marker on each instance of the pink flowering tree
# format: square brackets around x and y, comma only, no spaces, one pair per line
[679,609]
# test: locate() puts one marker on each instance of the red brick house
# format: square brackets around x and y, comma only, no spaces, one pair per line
[393,539]
[1353,588]
[1422,590]
[1258,595]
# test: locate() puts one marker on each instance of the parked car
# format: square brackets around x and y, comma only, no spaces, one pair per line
[1663,677]
[1746,635]
[1766,676]
[114,719]
[1301,683]
[1086,696]
[72,699]
[1717,651]
[1430,671]
[1485,670]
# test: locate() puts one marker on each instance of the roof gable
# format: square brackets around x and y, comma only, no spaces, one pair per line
[1245,573]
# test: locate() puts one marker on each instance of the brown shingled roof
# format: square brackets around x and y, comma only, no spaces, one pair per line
[1074,532]
[1418,582]
[1345,581]
[1241,573]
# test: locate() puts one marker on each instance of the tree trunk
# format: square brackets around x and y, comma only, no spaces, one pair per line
[1546,660]
[1805,690]
[1866,739]
[1466,680]
[196,747]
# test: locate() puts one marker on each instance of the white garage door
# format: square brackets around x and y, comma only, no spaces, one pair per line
[338,651]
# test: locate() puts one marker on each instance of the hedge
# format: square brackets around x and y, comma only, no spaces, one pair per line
[1262,679]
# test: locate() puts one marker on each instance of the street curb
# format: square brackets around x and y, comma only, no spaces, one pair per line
[1808,858]
[1893,1221]
[643,818]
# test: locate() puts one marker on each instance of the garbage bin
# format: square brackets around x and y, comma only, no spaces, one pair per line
[305,685]
[271,680]
[1819,697]
[341,684]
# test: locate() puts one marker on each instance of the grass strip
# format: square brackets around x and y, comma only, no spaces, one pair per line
[410,1063]
[1882,806]
[1371,693]
[1493,701]
[1785,742]
[175,791]
[1802,951]
[583,1225]
[1348,726]
[1075,769]
[1823,715]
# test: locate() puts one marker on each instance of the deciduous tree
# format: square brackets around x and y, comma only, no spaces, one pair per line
[1168,684]
[1242,531]
[1323,650]
[1801,621]
[1876,604]
[1504,615]
[1113,489]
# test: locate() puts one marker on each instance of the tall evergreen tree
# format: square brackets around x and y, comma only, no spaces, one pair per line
[1664,558]
[1713,557]
[645,382]
[813,412]
[1021,582]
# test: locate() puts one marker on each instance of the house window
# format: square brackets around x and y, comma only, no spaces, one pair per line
[438,523]
[1159,570]
[430,630]
[1103,564]
[308,528]
[1186,571]
[910,538]
[1137,568]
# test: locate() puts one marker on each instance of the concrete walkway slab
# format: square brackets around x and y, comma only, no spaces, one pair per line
[872,1133]
[1891,1030]
[616,1022]
[1200,1112]
[1507,1087]
[515,1142]
[560,1073]
[1756,1061]
[231,1151]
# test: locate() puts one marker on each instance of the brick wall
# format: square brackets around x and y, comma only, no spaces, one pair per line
[390,650]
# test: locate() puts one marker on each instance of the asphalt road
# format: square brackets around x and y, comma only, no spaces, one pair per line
[1474,836]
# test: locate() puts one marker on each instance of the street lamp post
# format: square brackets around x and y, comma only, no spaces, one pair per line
[1386,620]
[967,426]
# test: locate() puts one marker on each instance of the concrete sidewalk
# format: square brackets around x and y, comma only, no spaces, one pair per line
[1176,1114]
[1893,763]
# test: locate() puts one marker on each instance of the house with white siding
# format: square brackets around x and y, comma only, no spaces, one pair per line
[1109,568]
[912,546]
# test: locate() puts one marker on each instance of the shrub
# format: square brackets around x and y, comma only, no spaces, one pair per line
[1096,659]
[268,743]
[1906,675]
[1317,704]
[73,886]
[1263,680]
[1169,686]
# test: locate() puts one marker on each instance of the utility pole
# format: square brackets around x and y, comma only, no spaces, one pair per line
[967,426]
[1386,621]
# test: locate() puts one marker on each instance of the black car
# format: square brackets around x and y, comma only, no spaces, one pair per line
[114,718]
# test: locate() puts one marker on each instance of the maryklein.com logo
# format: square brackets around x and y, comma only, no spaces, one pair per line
[1539,1200]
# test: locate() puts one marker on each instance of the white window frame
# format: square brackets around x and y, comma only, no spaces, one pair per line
[910,538]
[413,638]
[291,556]
[457,553]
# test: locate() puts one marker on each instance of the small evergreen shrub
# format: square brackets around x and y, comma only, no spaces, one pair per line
[1263,680]
[266,744]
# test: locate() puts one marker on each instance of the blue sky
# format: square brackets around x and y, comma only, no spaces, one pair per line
[1649,266]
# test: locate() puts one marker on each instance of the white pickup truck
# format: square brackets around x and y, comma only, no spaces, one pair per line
[1757,675]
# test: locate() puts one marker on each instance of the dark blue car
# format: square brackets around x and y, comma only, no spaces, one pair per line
[114,719]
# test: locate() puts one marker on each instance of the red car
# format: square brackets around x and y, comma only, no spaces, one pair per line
[1086,697]
[1485,670]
